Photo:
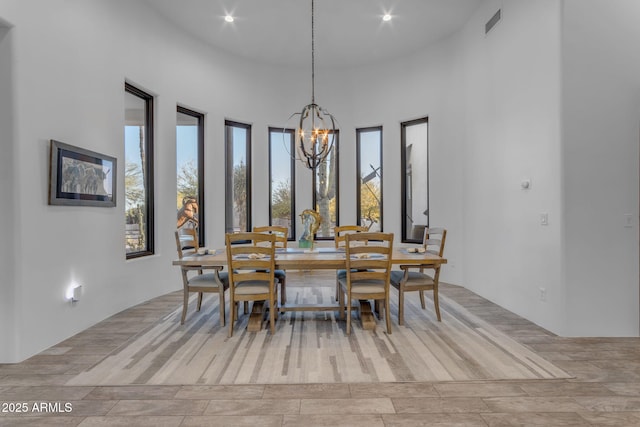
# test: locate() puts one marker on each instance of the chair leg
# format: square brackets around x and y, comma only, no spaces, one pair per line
[222,304]
[436,303]
[233,313]
[199,300]
[246,307]
[337,289]
[348,302]
[387,314]
[272,312]
[400,306]
[185,305]
[340,297]
[283,291]
[376,308]
[422,300]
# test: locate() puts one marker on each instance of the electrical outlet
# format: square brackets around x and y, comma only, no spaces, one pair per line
[628,220]
[543,294]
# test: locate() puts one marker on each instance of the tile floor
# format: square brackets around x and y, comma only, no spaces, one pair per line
[605,390]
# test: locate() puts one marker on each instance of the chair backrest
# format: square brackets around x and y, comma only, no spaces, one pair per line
[368,256]
[339,233]
[434,239]
[186,241]
[250,261]
[281,233]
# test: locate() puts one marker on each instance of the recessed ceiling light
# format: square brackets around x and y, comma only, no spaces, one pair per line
[386,17]
[228,18]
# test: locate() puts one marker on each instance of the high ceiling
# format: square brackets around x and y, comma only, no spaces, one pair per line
[347,32]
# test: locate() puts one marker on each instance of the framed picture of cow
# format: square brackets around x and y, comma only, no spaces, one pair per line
[81,177]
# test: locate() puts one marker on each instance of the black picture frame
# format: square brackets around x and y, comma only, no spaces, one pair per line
[80,177]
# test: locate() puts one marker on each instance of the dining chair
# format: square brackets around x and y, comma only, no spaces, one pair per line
[407,279]
[201,282]
[368,262]
[251,272]
[188,241]
[339,233]
[281,234]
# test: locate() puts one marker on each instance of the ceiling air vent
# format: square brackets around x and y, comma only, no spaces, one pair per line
[493,21]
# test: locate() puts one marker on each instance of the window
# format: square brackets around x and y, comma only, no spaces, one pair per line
[138,185]
[190,170]
[238,177]
[325,196]
[369,176]
[282,179]
[415,179]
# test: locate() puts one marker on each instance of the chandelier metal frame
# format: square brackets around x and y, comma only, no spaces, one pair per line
[316,130]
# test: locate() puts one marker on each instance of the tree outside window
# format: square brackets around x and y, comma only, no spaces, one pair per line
[238,177]
[325,197]
[369,175]
[138,141]
[282,179]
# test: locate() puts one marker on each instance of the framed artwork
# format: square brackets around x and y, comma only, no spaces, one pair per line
[79,177]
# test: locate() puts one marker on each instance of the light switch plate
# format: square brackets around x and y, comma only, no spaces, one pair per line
[544,218]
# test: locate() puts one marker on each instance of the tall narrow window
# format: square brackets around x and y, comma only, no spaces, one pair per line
[369,175]
[138,185]
[325,196]
[282,179]
[238,177]
[190,170]
[415,178]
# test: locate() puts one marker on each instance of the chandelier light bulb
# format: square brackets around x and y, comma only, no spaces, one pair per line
[228,18]
[316,133]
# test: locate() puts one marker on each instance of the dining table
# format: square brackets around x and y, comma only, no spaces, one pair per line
[318,258]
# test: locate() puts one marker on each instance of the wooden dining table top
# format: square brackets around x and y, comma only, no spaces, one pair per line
[320,258]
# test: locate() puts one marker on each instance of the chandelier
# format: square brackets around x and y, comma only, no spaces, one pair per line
[316,129]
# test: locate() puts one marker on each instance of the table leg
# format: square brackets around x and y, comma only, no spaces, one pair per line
[367,317]
[256,317]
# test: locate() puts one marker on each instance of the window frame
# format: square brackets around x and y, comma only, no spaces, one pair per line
[149,156]
[291,149]
[359,131]
[228,125]
[403,169]
[200,167]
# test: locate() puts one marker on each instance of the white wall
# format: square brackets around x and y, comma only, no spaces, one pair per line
[7,197]
[601,116]
[420,85]
[70,87]
[511,121]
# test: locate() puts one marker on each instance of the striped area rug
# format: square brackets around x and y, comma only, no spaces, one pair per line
[312,347]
